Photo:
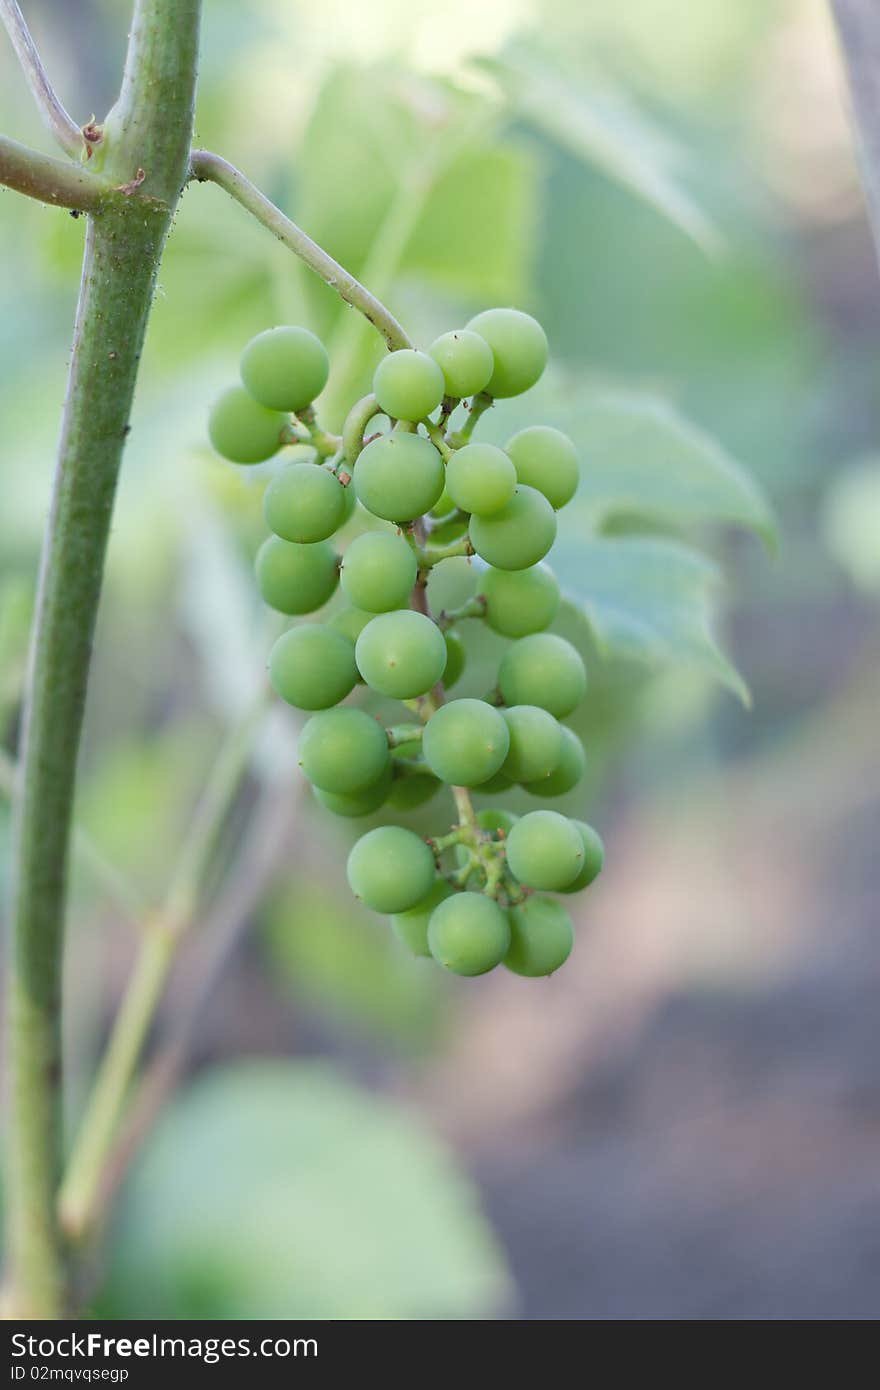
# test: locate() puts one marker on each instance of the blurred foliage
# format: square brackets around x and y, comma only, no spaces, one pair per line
[610,177]
[328,1203]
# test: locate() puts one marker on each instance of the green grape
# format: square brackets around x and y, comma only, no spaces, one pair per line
[469,934]
[378,571]
[594,858]
[343,750]
[443,506]
[455,657]
[494,818]
[541,937]
[296,579]
[545,850]
[312,667]
[452,528]
[408,384]
[519,602]
[466,362]
[519,348]
[568,771]
[355,804]
[401,654]
[465,742]
[412,927]
[544,670]
[351,621]
[390,869]
[480,479]
[399,476]
[412,787]
[546,459]
[494,786]
[285,368]
[242,430]
[304,503]
[517,536]
[535,743]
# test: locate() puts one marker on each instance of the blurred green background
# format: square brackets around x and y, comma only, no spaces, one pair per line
[684,1122]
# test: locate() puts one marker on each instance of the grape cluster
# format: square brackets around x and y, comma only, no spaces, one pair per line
[476,895]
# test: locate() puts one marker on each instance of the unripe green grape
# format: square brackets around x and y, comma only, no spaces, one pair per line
[285,368]
[495,786]
[546,459]
[242,430]
[465,360]
[412,788]
[545,850]
[535,743]
[312,667]
[408,384]
[412,927]
[517,536]
[519,348]
[465,742]
[378,571]
[401,654]
[351,622]
[349,503]
[480,478]
[468,934]
[343,750]
[351,805]
[296,579]
[304,503]
[494,818]
[568,771]
[519,602]
[455,658]
[390,869]
[443,506]
[594,858]
[543,670]
[541,937]
[399,476]
[451,529]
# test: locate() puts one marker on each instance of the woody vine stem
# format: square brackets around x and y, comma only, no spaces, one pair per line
[126,175]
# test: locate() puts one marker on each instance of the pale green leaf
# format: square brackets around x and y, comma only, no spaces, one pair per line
[647,600]
[605,129]
[280,1190]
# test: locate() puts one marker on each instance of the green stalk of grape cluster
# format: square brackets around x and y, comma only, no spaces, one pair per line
[474,896]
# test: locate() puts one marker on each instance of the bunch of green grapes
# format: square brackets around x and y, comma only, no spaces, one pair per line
[476,895]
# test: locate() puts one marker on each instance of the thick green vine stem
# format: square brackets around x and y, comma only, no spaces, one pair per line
[148,137]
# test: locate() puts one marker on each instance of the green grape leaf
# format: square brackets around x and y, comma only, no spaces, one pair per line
[604,128]
[281,1190]
[640,458]
[646,600]
[492,186]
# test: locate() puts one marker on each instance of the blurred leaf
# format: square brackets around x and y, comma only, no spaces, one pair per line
[647,600]
[280,1190]
[604,128]
[331,952]
[642,458]
[851,522]
[482,189]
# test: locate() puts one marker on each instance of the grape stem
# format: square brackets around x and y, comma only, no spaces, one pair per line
[474,608]
[404,733]
[479,405]
[207,167]
[51,180]
[62,126]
